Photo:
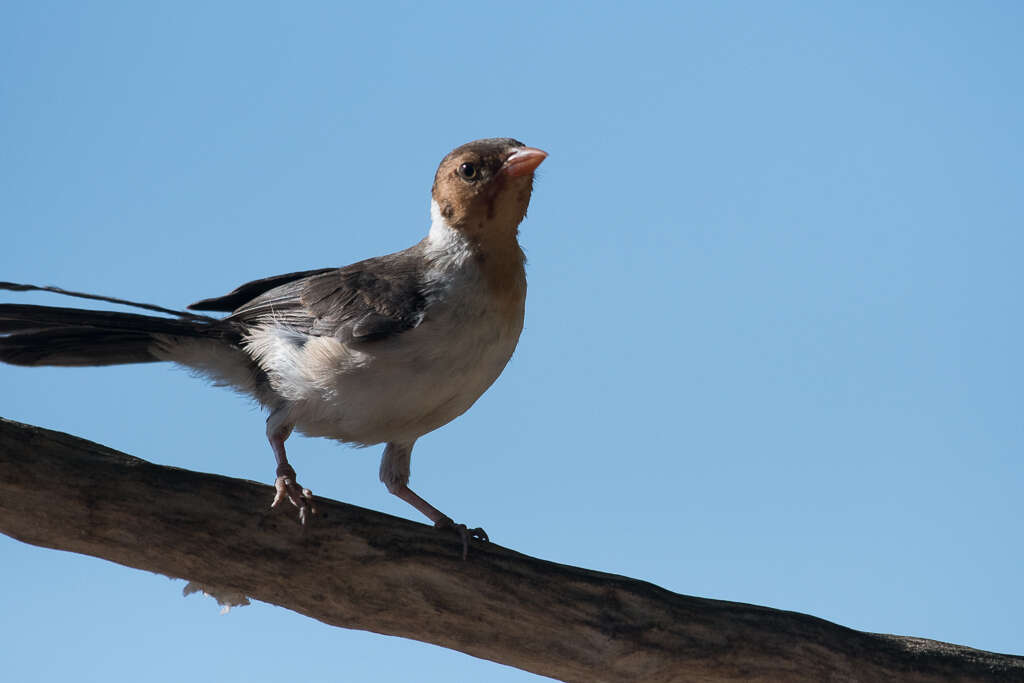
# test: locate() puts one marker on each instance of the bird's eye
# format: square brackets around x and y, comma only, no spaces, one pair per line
[468,171]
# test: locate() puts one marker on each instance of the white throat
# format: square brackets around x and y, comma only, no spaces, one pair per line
[443,238]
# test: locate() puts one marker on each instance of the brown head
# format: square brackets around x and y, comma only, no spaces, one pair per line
[482,189]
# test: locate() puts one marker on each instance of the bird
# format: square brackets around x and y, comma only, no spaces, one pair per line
[384,350]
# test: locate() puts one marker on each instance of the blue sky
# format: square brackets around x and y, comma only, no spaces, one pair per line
[772,348]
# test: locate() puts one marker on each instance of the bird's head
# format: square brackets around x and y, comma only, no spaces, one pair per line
[482,189]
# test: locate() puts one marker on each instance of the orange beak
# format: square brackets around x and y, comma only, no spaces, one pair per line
[523,161]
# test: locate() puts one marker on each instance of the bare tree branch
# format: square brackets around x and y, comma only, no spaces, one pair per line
[361,569]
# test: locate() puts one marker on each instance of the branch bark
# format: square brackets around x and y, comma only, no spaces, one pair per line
[360,569]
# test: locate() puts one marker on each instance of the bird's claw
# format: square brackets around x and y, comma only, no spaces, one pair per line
[287,487]
[464,532]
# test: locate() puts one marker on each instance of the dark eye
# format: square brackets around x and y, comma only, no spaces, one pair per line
[468,171]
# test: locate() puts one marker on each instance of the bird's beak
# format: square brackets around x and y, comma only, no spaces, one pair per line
[523,161]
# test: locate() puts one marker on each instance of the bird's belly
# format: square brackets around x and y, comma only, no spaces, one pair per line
[401,388]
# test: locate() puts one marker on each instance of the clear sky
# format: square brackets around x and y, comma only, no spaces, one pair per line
[773,340]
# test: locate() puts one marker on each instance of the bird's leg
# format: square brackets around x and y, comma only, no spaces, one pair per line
[286,483]
[394,472]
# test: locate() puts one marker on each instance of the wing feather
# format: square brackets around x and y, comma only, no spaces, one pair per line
[250,290]
[364,302]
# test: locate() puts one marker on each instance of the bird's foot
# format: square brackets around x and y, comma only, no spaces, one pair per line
[288,487]
[464,532]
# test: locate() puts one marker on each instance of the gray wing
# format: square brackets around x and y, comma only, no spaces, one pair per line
[363,302]
[251,290]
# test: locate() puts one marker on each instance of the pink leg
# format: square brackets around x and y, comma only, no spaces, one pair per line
[440,520]
[409,496]
[394,472]
[286,483]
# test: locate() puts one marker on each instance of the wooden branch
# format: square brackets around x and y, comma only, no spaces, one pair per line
[360,569]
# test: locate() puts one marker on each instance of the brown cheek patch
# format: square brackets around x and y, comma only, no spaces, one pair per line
[495,189]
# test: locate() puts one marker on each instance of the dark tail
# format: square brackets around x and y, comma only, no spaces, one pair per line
[48,335]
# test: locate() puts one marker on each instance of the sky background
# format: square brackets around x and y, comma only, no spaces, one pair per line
[773,339]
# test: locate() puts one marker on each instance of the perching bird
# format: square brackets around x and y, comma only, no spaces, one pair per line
[382,351]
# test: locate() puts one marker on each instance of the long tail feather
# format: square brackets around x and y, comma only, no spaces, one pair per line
[18,287]
[15,317]
[51,335]
[77,346]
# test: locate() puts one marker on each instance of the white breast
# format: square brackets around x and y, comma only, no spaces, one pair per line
[399,388]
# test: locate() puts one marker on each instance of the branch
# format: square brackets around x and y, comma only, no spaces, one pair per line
[360,569]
